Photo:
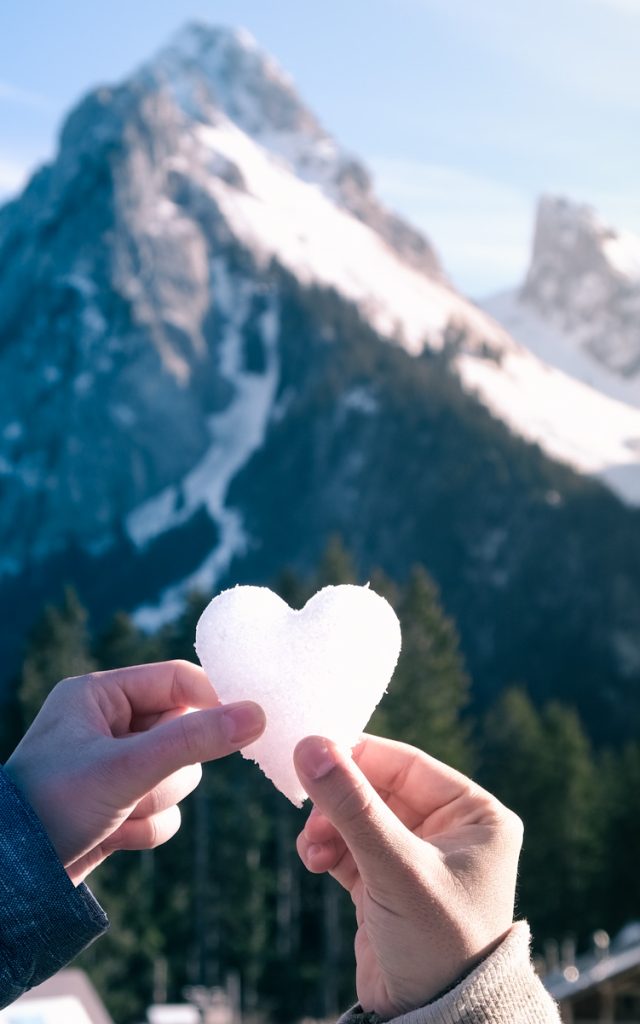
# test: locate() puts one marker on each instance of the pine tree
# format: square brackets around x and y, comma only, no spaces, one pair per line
[59,647]
[620,889]
[177,639]
[122,644]
[336,566]
[430,689]
[383,585]
[540,764]
[292,588]
[121,963]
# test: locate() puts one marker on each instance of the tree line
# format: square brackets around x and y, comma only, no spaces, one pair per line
[228,897]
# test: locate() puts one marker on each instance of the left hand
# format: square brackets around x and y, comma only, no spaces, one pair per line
[110,755]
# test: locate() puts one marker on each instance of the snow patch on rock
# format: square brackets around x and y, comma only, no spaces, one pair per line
[236,434]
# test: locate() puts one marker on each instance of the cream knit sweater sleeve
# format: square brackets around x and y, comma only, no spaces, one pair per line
[503,989]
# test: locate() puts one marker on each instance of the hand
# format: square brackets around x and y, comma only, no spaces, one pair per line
[428,857]
[111,754]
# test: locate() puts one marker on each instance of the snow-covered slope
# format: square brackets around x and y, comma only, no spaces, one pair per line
[558,348]
[235,434]
[277,214]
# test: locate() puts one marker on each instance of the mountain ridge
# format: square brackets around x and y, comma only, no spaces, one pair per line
[256,94]
[204,352]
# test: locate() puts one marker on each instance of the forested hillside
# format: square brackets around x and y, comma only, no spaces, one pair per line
[228,894]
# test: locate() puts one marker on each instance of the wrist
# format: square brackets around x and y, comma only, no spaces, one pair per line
[20,781]
[472,964]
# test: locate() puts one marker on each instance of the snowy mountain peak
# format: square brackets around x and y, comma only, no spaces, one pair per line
[571,237]
[210,71]
[584,280]
[198,36]
[241,80]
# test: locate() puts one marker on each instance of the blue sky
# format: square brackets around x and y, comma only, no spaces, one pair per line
[466,110]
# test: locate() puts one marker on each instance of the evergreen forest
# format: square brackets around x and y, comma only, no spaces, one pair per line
[228,903]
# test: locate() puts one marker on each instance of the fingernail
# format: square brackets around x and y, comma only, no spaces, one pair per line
[315,757]
[243,722]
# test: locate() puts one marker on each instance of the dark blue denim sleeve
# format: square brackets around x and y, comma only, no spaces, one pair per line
[44,919]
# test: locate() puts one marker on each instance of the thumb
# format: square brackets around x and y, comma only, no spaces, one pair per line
[150,757]
[341,791]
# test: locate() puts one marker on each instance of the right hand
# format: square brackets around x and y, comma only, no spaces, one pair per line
[429,859]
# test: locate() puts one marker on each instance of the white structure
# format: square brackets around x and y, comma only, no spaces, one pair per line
[67,998]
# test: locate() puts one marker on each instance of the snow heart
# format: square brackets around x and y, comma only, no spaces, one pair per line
[318,671]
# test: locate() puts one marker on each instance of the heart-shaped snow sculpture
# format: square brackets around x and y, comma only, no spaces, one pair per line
[318,671]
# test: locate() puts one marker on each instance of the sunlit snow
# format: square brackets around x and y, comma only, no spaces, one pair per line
[559,349]
[236,434]
[278,215]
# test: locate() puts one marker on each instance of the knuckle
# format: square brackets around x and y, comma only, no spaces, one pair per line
[510,824]
[153,802]
[179,666]
[92,680]
[192,737]
[69,686]
[515,826]
[151,837]
[486,803]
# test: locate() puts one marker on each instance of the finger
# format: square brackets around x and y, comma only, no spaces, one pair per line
[171,791]
[409,776]
[150,689]
[316,857]
[144,833]
[332,856]
[143,761]
[319,829]
[322,848]
[133,834]
[319,833]
[339,789]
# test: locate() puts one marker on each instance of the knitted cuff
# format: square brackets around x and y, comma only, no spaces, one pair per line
[503,989]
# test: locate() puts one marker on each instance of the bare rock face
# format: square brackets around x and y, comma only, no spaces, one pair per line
[103,309]
[584,279]
[121,282]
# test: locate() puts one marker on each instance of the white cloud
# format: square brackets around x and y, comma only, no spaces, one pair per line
[23,97]
[481,228]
